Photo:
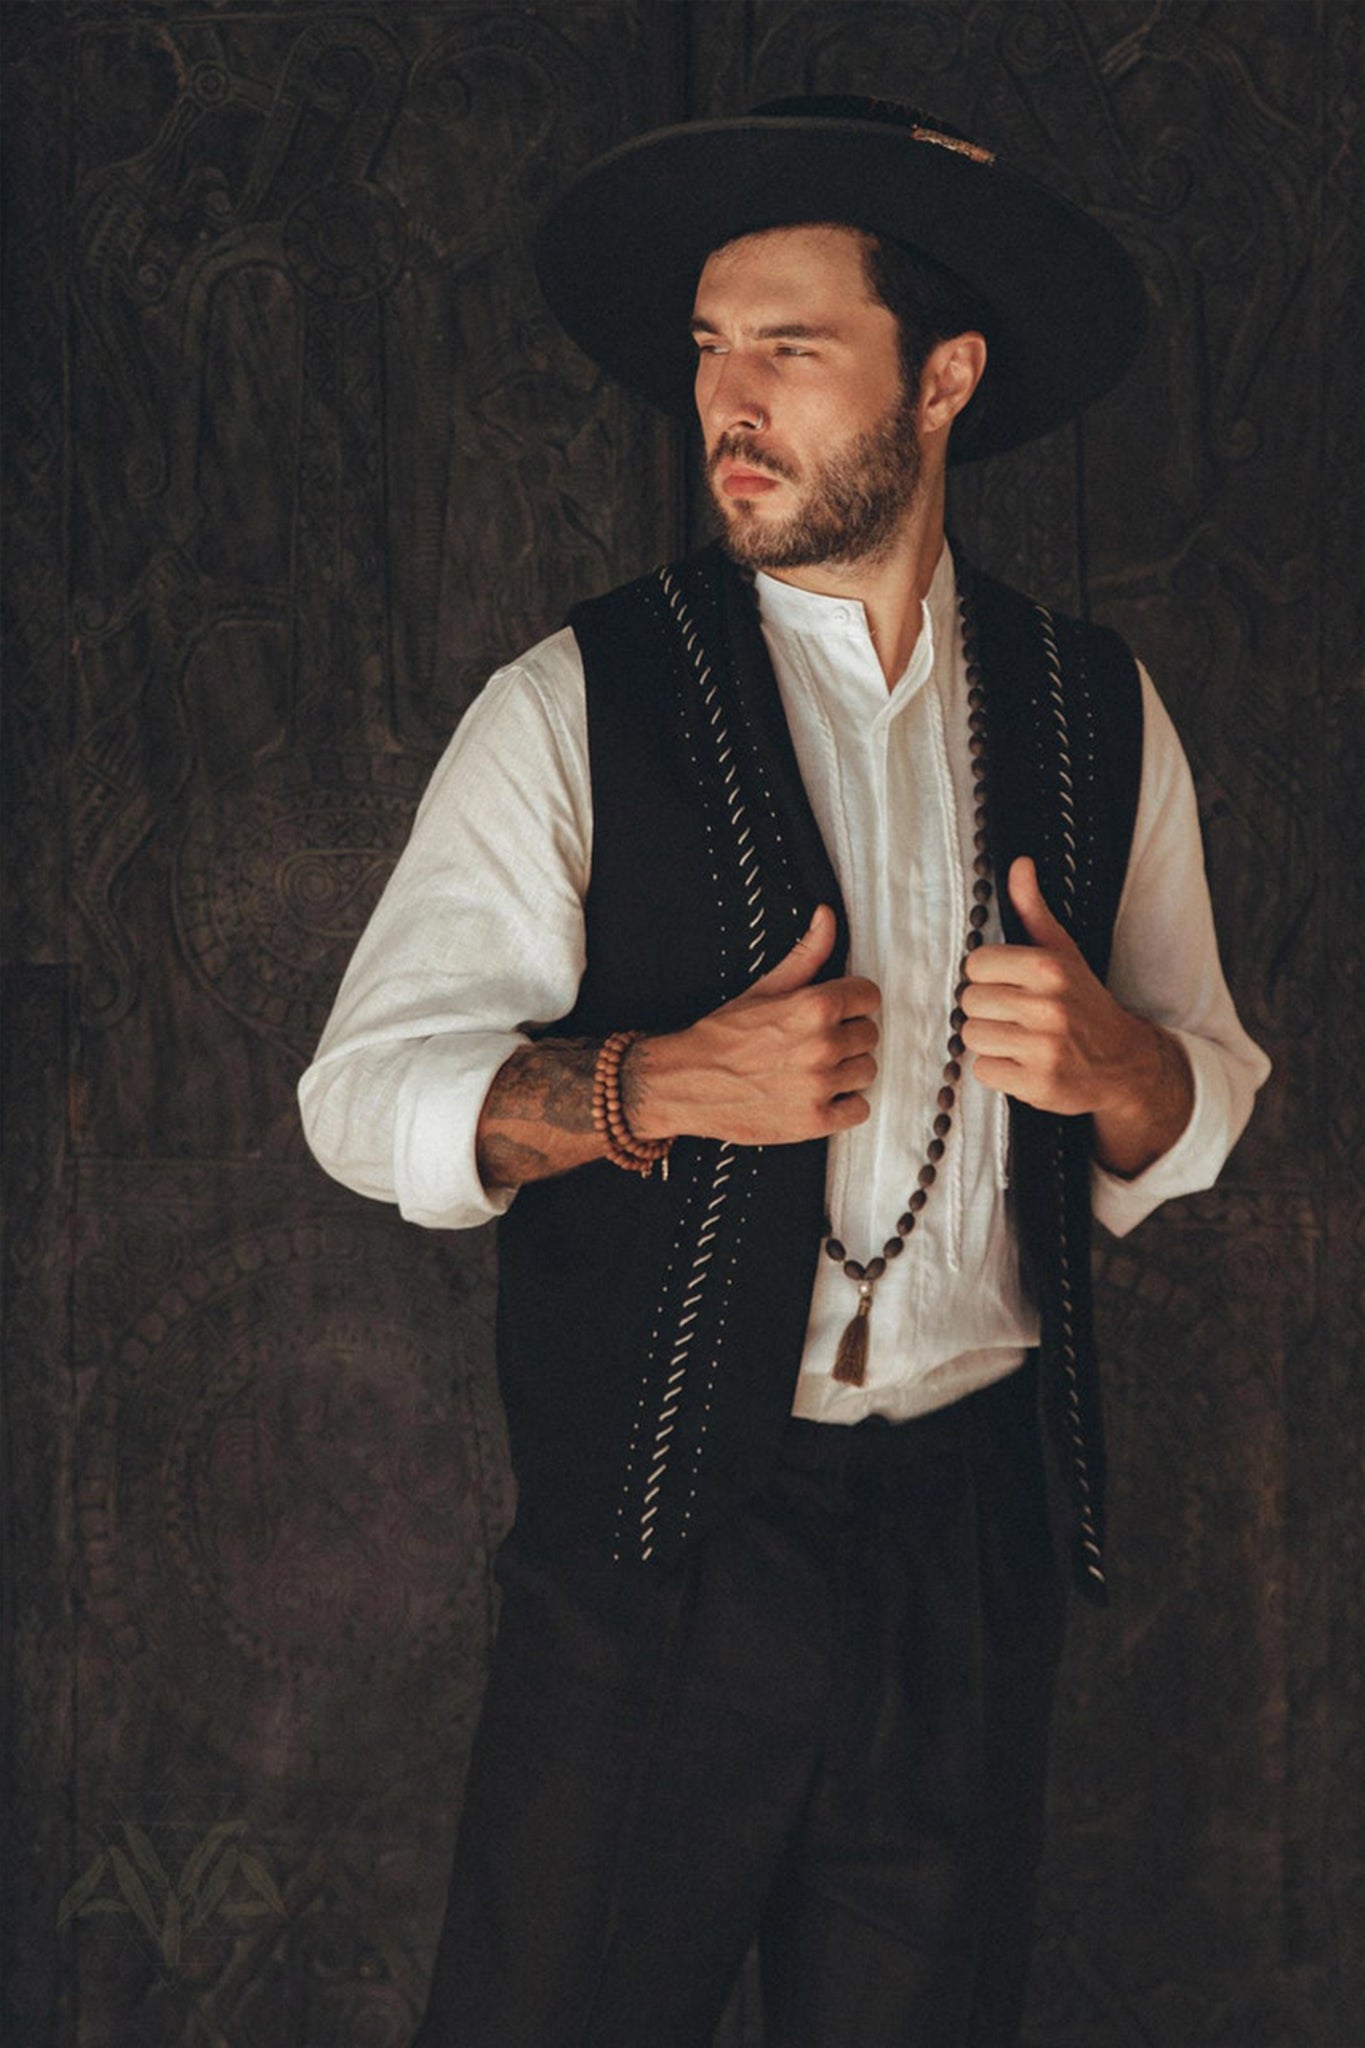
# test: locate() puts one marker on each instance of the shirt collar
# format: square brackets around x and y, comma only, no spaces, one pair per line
[787,608]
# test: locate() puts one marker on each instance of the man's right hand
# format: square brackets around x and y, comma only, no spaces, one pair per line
[789,1059]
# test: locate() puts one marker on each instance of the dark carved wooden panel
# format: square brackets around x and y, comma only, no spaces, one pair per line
[329,463]
[294,457]
[298,458]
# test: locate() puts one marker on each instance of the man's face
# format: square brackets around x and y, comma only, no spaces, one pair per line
[812,453]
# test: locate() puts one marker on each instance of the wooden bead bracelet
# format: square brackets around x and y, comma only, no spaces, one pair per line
[624,1149]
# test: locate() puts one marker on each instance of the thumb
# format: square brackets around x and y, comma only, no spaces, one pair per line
[1037,920]
[805,959]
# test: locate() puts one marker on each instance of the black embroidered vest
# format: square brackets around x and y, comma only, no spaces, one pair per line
[649,1332]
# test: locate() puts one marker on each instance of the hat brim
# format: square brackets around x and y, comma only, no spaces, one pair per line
[620,252]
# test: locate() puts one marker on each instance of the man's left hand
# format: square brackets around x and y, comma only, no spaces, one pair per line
[1043,1028]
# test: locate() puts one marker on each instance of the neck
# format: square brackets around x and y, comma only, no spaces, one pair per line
[892,585]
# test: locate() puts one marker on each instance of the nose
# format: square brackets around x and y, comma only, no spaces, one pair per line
[727,397]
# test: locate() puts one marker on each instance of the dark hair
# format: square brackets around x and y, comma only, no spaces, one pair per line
[930,305]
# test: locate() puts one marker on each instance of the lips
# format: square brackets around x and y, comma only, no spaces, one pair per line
[747,483]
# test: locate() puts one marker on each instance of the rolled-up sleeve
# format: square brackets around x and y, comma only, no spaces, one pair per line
[476,942]
[1165,966]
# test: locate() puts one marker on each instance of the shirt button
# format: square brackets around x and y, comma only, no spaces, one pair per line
[841,614]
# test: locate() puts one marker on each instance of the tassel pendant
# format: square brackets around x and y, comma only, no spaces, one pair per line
[850,1360]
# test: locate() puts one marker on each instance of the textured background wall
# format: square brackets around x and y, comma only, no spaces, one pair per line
[293,458]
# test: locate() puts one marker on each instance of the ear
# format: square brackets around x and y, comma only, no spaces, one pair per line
[952,371]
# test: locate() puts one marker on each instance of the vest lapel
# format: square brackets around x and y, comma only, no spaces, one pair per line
[802,848]
[721,638]
[1030,808]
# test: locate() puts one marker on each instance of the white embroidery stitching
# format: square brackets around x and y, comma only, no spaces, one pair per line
[698,1276]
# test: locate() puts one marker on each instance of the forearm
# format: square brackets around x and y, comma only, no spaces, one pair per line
[536,1119]
[1149,1112]
[783,1062]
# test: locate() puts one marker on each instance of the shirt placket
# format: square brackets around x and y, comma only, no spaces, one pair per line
[867,1195]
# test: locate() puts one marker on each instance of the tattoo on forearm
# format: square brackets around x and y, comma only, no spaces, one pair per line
[550,1083]
[542,1089]
[503,1163]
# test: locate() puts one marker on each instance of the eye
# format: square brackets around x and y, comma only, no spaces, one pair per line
[790,348]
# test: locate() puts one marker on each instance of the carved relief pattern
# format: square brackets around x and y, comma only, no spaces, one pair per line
[326,463]
[303,391]
[295,457]
[275,876]
[290,1472]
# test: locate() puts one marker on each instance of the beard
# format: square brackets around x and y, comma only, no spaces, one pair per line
[852,506]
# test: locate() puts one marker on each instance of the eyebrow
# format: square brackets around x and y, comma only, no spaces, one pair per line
[783,330]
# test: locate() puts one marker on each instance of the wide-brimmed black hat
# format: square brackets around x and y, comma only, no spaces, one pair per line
[620,252]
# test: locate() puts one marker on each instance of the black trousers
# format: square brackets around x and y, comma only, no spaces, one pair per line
[827,1729]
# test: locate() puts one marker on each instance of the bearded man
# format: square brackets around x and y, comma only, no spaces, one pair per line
[809,937]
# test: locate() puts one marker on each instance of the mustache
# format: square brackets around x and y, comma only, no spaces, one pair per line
[737,446]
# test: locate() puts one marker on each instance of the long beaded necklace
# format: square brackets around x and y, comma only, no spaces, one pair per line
[850,1360]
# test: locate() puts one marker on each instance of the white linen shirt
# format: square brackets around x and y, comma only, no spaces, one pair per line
[479,940]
